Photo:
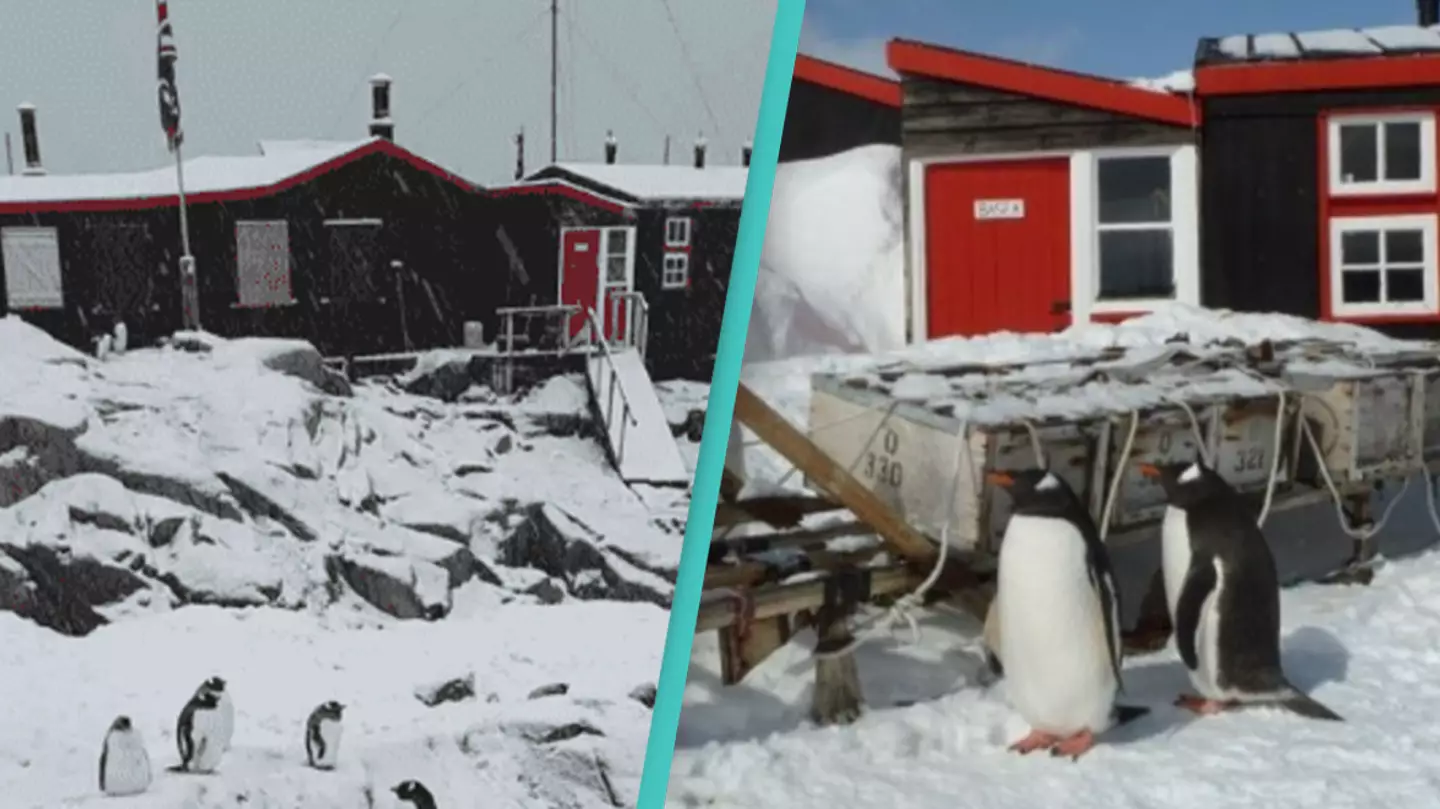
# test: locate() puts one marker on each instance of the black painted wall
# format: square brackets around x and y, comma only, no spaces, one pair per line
[821,121]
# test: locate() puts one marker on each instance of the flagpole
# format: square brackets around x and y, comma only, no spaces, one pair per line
[190,297]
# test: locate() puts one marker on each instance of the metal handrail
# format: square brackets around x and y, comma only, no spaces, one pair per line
[507,316]
[610,361]
[639,326]
[615,382]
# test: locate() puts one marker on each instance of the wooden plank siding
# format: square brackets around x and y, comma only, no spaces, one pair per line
[820,122]
[940,118]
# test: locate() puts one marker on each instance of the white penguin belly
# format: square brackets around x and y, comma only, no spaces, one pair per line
[1206,676]
[127,765]
[225,725]
[330,736]
[1058,673]
[209,741]
[1174,555]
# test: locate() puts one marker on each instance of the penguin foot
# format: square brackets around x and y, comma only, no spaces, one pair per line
[1035,741]
[1202,706]
[1075,746]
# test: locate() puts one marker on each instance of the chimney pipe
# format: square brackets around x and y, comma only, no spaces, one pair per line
[700,151]
[381,125]
[520,154]
[612,148]
[666,159]
[745,154]
[31,141]
[1428,12]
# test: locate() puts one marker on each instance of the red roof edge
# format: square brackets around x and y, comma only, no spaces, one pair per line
[847,80]
[1077,89]
[375,146]
[1360,73]
[558,188]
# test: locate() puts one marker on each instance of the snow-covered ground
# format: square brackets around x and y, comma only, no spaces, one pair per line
[168,515]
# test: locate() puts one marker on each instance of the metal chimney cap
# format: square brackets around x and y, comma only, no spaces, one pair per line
[381,78]
[25,106]
[609,136]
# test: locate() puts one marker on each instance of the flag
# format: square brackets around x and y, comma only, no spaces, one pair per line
[169,98]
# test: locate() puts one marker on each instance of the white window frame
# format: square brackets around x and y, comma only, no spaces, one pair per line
[1427,224]
[683,224]
[1167,226]
[289,299]
[1425,185]
[675,276]
[49,299]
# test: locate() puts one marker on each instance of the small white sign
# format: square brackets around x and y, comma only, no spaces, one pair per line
[999,209]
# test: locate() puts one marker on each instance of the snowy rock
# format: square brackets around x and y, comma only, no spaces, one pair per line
[403,588]
[209,574]
[552,690]
[64,589]
[548,590]
[295,358]
[551,540]
[644,694]
[35,451]
[449,517]
[442,375]
[457,689]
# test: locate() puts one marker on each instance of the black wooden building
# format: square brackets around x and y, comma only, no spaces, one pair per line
[1318,189]
[358,247]
[663,232]
[834,108]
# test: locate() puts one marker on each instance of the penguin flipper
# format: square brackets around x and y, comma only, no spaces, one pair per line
[1308,707]
[104,754]
[1200,581]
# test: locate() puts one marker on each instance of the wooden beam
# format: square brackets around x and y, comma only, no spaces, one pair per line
[788,599]
[831,477]
[759,543]
[750,574]
[746,511]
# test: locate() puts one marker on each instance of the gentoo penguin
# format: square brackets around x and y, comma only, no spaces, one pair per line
[414,793]
[322,735]
[120,337]
[198,732]
[225,729]
[1058,617]
[1223,593]
[124,764]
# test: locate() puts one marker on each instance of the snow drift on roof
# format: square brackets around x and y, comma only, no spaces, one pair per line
[203,175]
[665,182]
[1389,40]
[1181,81]
[274,147]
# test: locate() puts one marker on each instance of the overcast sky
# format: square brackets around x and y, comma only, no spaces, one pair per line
[468,74]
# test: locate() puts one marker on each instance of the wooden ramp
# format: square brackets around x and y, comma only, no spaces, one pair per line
[636,429]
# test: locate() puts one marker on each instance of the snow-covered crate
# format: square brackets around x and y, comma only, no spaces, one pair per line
[1369,423]
[907,454]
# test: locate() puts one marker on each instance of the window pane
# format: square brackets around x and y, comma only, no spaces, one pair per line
[1360,247]
[1136,264]
[615,241]
[1360,286]
[615,269]
[1358,153]
[1402,151]
[1405,285]
[1404,247]
[1134,189]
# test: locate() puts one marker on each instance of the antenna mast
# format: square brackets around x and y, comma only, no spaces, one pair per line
[554,73]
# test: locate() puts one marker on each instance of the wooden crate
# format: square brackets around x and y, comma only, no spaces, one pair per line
[910,462]
[1369,426]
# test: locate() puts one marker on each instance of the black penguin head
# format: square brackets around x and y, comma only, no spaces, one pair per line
[121,723]
[206,698]
[215,684]
[1184,482]
[1035,491]
[332,708]
[415,792]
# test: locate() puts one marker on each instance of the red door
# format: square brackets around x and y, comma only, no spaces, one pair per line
[997,244]
[580,273]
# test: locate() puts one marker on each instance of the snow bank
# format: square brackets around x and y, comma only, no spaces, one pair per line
[832,272]
[1180,81]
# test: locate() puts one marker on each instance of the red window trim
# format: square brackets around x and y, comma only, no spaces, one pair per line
[1332,205]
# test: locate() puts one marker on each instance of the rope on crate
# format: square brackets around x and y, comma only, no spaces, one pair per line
[1113,490]
[903,610]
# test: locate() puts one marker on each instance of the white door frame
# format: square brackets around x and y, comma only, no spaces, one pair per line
[1084,247]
